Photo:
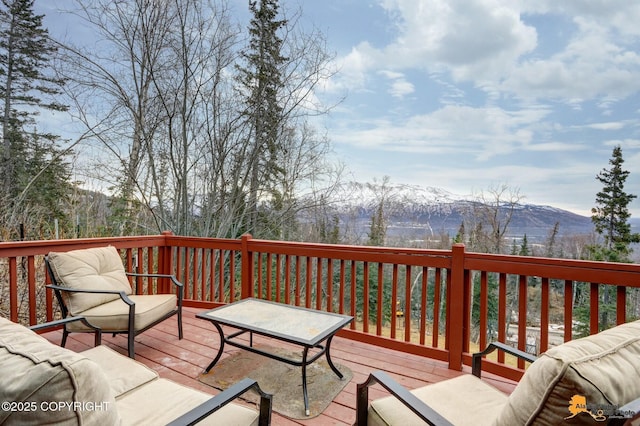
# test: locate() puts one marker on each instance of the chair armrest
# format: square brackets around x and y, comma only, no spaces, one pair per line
[56,323]
[476,361]
[122,294]
[173,279]
[422,410]
[212,405]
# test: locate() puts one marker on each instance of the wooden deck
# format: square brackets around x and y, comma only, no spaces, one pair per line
[183,360]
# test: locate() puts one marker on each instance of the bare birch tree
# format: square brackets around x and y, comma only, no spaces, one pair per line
[162,98]
[111,86]
[490,216]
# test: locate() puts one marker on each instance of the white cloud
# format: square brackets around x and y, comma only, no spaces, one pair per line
[488,43]
[631,144]
[593,64]
[354,69]
[622,15]
[399,87]
[474,39]
[481,133]
[554,147]
[613,125]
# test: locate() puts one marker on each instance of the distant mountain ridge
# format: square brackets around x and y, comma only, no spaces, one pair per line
[413,211]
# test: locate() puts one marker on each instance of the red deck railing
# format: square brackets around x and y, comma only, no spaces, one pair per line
[412,300]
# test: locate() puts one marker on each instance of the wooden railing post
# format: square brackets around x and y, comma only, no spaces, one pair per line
[455,308]
[246,268]
[13,289]
[165,262]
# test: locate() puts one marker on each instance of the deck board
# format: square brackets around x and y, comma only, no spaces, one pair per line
[183,360]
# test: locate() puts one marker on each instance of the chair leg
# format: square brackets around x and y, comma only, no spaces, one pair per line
[65,333]
[131,337]
[180,324]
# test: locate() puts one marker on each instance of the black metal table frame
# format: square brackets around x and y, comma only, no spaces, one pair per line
[323,349]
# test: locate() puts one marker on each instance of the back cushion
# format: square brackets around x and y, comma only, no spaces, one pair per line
[96,268]
[44,381]
[603,368]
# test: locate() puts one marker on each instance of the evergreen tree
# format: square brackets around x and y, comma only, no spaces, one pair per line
[29,157]
[25,52]
[377,227]
[262,79]
[49,173]
[611,215]
[524,246]
[460,237]
[492,304]
[551,240]
[514,248]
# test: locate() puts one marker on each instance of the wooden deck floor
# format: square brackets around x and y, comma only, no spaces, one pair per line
[183,360]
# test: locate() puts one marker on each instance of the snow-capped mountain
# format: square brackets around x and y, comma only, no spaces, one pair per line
[412,210]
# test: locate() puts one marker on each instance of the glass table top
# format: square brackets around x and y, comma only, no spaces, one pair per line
[292,322]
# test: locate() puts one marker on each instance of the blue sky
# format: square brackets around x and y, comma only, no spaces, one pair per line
[471,94]
[466,95]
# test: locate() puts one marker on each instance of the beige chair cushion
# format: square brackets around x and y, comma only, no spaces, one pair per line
[45,376]
[114,316]
[143,398]
[123,373]
[162,401]
[91,269]
[604,368]
[464,400]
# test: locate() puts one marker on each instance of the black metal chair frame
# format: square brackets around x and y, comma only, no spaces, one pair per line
[206,408]
[131,332]
[430,416]
[420,408]
[51,324]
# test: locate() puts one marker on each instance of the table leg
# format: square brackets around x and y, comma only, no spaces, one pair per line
[328,355]
[304,380]
[220,349]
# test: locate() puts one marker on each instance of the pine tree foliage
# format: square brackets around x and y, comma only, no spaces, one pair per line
[25,53]
[611,220]
[611,215]
[377,226]
[261,79]
[32,166]
[524,246]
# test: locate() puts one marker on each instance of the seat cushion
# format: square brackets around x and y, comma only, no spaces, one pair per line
[162,401]
[603,368]
[114,316]
[123,373]
[48,379]
[97,268]
[464,400]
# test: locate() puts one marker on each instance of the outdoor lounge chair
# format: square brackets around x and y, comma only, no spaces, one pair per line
[93,283]
[592,380]
[42,383]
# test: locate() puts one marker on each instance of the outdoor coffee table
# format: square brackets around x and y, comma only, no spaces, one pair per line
[308,328]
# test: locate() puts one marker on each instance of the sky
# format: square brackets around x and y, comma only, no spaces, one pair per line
[468,95]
